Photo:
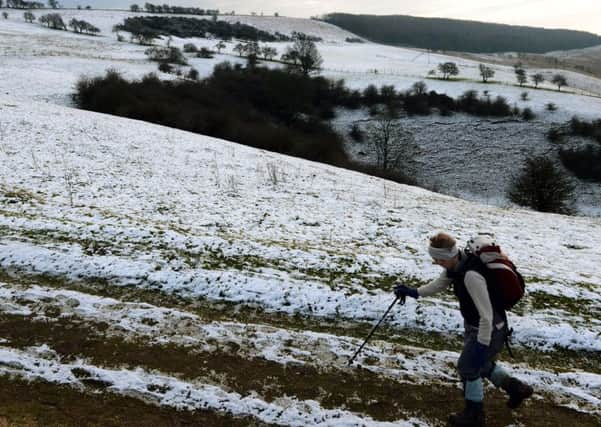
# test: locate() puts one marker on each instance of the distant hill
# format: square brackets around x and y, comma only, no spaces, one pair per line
[460,35]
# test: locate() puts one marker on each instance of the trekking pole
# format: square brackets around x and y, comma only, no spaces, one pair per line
[374,328]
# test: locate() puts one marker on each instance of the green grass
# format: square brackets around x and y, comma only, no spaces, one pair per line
[538,301]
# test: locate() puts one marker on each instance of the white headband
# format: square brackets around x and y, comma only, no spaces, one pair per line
[443,253]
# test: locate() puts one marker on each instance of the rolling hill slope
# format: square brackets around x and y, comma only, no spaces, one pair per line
[149,267]
[461,35]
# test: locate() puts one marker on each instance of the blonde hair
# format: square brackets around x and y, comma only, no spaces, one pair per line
[442,241]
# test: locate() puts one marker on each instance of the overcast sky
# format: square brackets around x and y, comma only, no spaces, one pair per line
[572,14]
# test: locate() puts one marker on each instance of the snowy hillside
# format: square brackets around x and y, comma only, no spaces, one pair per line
[355,63]
[196,274]
[106,19]
[60,58]
[591,52]
[184,215]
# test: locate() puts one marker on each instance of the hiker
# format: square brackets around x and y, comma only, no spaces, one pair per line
[485,323]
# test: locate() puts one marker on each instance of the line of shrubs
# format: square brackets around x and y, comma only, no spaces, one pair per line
[55,21]
[418,101]
[165,8]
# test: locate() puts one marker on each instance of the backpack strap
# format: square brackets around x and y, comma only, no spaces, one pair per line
[500,265]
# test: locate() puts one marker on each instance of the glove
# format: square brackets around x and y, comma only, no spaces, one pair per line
[479,355]
[402,291]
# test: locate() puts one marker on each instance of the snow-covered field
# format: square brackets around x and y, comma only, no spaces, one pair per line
[163,241]
[57,59]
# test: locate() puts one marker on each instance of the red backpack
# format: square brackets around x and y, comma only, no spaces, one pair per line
[507,284]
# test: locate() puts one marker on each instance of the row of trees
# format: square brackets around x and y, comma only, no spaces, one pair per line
[55,21]
[448,69]
[165,8]
[419,101]
[521,76]
[251,49]
[302,56]
[21,4]
[80,26]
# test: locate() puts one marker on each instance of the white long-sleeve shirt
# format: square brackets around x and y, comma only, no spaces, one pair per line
[475,284]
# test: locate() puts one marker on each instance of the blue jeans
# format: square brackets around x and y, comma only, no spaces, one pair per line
[467,371]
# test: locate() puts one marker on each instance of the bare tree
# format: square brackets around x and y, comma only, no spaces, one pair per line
[486,73]
[520,74]
[81,26]
[290,56]
[53,20]
[252,48]
[190,48]
[240,48]
[269,52]
[448,69]
[559,80]
[419,88]
[303,56]
[171,55]
[537,79]
[395,147]
[76,25]
[220,45]
[144,37]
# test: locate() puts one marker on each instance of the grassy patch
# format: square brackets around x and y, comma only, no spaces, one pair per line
[20,195]
[579,307]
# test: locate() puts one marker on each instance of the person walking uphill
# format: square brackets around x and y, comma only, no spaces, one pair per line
[485,323]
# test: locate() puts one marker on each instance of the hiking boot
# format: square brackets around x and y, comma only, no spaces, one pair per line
[517,391]
[472,416]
